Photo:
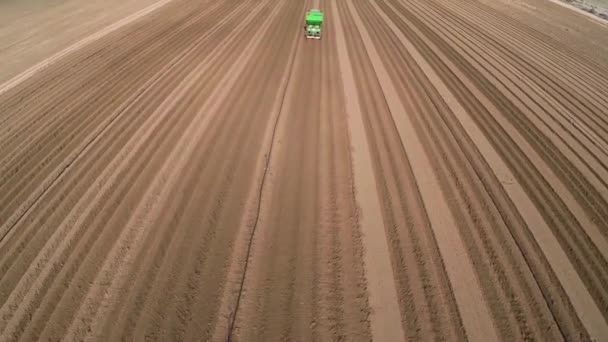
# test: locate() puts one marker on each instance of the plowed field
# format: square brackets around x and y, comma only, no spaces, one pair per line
[198,170]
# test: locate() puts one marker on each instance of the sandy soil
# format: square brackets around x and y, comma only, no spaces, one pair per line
[32,30]
[428,170]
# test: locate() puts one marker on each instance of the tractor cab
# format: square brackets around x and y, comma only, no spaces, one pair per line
[314,22]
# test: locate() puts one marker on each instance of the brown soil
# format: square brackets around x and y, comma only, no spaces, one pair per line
[428,170]
[33,30]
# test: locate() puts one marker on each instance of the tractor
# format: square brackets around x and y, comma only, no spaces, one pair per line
[314,21]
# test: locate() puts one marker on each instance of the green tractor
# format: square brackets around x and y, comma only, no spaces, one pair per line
[314,21]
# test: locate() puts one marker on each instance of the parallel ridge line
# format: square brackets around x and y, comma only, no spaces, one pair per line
[286,216]
[561,92]
[590,225]
[80,177]
[132,266]
[549,50]
[101,119]
[564,224]
[56,93]
[167,69]
[77,131]
[473,308]
[347,271]
[386,316]
[21,114]
[574,285]
[183,106]
[125,21]
[426,298]
[283,47]
[510,299]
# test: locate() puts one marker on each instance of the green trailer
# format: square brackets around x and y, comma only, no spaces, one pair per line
[314,22]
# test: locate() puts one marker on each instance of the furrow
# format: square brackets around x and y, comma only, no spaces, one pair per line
[426,301]
[578,63]
[124,106]
[40,85]
[578,246]
[475,313]
[539,227]
[68,137]
[79,278]
[159,250]
[567,89]
[180,296]
[590,217]
[78,78]
[513,300]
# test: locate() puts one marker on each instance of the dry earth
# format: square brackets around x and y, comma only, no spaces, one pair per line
[428,170]
[32,30]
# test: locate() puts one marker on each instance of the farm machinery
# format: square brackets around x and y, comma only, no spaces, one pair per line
[314,22]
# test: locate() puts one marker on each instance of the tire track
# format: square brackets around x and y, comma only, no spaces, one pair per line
[345,246]
[259,109]
[233,292]
[385,315]
[297,216]
[269,138]
[35,107]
